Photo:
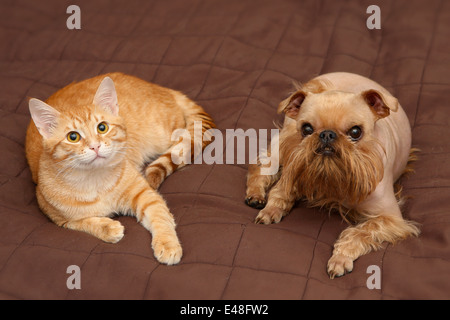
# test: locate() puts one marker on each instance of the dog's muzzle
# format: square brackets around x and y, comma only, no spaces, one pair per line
[326,137]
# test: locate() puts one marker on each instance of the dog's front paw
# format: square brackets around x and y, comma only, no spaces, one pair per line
[269,215]
[338,265]
[255,201]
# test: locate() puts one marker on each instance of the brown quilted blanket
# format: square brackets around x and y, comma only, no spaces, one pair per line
[237,59]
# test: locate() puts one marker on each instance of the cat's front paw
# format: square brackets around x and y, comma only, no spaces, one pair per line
[167,251]
[112,231]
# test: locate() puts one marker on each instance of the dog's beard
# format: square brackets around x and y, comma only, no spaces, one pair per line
[340,179]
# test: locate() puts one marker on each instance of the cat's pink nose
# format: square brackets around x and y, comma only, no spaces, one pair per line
[95,147]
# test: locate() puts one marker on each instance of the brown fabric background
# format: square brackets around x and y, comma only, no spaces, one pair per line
[236,58]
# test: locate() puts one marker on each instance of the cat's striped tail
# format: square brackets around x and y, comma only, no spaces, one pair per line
[195,117]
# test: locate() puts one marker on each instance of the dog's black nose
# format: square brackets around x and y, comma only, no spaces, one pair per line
[327,136]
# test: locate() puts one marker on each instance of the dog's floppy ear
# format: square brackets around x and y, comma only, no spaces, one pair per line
[291,105]
[380,104]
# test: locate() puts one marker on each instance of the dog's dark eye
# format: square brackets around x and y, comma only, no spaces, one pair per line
[307,129]
[355,133]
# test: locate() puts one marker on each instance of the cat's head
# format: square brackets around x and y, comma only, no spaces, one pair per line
[87,136]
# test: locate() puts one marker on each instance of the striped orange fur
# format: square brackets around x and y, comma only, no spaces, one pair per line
[89,145]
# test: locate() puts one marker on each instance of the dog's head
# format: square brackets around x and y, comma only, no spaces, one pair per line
[333,155]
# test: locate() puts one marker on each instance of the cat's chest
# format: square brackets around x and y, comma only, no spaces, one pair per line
[84,193]
[91,196]
[90,192]
[95,182]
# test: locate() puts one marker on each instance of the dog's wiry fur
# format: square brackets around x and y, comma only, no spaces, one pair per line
[323,181]
[354,176]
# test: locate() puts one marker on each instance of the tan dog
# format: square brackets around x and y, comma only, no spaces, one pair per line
[345,142]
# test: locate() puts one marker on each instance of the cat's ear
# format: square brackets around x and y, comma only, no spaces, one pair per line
[106,96]
[44,117]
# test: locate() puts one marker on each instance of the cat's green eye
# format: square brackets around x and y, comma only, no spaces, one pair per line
[73,136]
[102,127]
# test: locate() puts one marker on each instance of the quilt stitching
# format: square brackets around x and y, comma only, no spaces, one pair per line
[37,72]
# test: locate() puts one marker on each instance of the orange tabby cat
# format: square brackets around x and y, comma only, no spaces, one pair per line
[87,146]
